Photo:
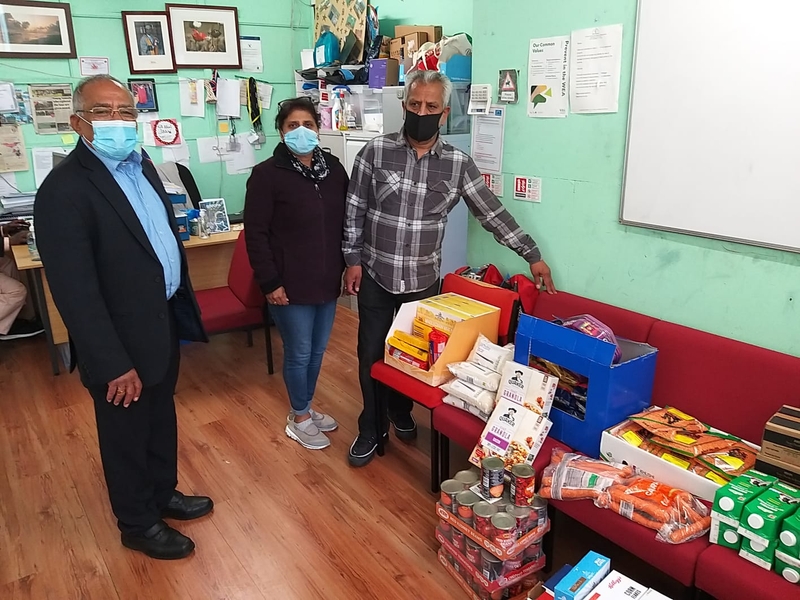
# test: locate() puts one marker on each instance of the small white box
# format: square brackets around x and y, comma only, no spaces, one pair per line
[617,586]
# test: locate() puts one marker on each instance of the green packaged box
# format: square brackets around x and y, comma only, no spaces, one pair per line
[757,553]
[730,499]
[724,534]
[789,539]
[763,516]
[787,567]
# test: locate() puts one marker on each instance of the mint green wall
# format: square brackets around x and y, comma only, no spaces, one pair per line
[455,16]
[746,293]
[285,26]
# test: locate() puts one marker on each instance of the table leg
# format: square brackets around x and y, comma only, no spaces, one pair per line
[41,307]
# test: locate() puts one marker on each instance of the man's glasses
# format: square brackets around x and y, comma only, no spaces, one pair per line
[104,113]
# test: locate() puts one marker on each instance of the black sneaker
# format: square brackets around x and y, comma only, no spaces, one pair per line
[23,329]
[405,427]
[363,449]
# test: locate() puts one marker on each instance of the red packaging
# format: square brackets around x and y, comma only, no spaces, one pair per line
[438,341]
[407,358]
[459,540]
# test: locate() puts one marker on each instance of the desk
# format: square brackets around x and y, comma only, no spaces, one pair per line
[209,261]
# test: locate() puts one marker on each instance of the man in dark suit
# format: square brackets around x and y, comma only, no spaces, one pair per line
[109,242]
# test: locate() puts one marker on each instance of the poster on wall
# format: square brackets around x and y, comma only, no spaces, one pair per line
[13,156]
[548,77]
[596,62]
[341,17]
[52,108]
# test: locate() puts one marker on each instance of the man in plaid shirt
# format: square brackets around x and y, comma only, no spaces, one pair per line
[402,188]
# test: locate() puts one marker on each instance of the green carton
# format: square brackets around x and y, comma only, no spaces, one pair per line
[763,516]
[726,535]
[730,499]
[757,553]
[787,567]
[789,539]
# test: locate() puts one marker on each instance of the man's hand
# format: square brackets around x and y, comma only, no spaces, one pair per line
[542,277]
[278,297]
[18,239]
[125,389]
[14,227]
[352,280]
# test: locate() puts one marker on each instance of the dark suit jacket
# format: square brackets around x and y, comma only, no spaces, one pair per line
[106,279]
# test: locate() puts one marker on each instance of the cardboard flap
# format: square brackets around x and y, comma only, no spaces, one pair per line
[567,339]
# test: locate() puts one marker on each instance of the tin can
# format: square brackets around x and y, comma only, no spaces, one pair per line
[523,482]
[465,500]
[492,477]
[450,490]
[532,552]
[522,514]
[490,565]
[501,594]
[445,528]
[504,502]
[516,589]
[539,514]
[505,529]
[484,595]
[468,477]
[459,540]
[473,553]
[483,513]
[512,564]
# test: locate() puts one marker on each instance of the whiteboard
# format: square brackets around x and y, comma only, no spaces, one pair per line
[714,125]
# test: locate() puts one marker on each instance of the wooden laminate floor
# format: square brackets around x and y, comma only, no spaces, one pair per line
[289,523]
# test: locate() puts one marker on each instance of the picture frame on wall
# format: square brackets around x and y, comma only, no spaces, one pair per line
[144,94]
[205,37]
[36,30]
[148,42]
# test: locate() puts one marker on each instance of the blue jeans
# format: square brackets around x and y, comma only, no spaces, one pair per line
[304,329]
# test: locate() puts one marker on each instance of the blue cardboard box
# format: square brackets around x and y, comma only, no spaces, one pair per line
[593,393]
[583,577]
[183,225]
[458,68]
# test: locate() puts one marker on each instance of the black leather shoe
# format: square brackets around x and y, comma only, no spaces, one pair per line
[160,541]
[186,508]
[405,427]
[363,449]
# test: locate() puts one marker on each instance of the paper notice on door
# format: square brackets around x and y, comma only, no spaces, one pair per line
[228,98]
[193,97]
[595,64]
[487,140]
[548,77]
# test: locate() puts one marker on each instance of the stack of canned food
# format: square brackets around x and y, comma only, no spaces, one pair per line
[513,591]
[501,513]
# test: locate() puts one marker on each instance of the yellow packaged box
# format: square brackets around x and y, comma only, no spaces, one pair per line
[444,311]
[413,340]
[395,342]
[421,330]
[463,333]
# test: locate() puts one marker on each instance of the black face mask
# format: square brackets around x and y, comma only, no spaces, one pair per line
[421,128]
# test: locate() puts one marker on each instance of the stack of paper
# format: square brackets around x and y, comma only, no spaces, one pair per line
[17,204]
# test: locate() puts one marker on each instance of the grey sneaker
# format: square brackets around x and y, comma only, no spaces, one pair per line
[309,436]
[324,422]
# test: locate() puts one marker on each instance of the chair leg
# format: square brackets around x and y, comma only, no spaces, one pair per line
[249,338]
[444,458]
[379,411]
[435,462]
[268,340]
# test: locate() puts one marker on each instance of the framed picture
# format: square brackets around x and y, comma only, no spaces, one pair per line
[148,42]
[36,30]
[144,94]
[205,36]
[217,215]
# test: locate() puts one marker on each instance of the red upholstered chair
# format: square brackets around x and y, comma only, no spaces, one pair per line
[430,397]
[239,306]
[723,574]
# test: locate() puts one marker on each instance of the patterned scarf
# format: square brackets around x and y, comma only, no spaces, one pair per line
[319,167]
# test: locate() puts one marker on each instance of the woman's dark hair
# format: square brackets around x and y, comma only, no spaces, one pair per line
[287,107]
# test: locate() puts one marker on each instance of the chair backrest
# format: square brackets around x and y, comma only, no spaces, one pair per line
[506,300]
[241,278]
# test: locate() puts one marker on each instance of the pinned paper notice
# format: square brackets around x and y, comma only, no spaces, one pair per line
[494,183]
[528,188]
[67,139]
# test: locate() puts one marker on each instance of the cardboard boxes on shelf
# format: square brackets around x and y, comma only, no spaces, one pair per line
[780,448]
[433,33]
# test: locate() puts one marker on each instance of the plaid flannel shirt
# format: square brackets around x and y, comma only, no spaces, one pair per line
[397,207]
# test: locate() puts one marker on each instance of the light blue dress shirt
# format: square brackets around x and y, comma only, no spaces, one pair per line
[152,214]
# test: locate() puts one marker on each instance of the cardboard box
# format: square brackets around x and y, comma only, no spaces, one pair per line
[413,42]
[583,577]
[396,49]
[617,586]
[433,32]
[782,437]
[383,72]
[782,470]
[342,17]
[652,594]
[462,339]
[594,393]
[445,562]
[458,68]
[183,224]
[614,449]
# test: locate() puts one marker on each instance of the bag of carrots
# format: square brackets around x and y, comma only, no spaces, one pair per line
[675,514]
[577,477]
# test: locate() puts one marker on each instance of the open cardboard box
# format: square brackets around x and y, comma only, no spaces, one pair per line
[463,583]
[463,337]
[502,553]
[503,581]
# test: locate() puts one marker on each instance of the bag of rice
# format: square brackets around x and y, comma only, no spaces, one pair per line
[473,395]
[459,403]
[489,355]
[476,375]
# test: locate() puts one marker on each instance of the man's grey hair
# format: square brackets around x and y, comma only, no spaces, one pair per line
[77,95]
[426,77]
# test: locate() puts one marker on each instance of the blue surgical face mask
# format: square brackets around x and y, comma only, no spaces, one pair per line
[301,140]
[114,139]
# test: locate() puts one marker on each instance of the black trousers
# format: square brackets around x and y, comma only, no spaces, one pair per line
[376,311]
[139,450]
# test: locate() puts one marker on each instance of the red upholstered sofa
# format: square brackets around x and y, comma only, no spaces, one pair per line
[732,385]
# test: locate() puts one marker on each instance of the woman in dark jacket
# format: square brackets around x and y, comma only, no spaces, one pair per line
[294,218]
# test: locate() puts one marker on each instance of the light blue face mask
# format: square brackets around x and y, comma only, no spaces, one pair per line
[301,140]
[114,139]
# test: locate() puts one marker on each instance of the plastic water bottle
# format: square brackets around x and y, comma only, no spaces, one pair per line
[32,249]
[203,224]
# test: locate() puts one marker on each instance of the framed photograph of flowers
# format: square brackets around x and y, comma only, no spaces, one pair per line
[205,37]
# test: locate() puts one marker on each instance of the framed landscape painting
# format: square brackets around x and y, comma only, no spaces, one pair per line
[148,42]
[36,30]
[205,36]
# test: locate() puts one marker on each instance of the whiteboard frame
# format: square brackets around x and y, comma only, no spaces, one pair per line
[631,223]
